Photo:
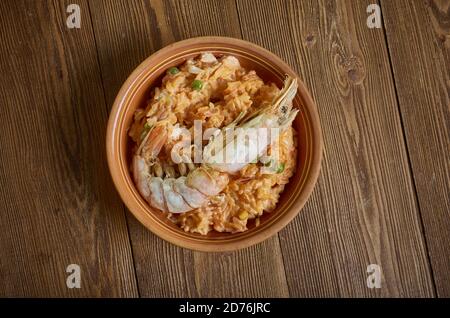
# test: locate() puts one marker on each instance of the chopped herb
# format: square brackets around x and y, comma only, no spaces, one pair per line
[145,131]
[174,70]
[281,168]
[268,163]
[143,134]
[197,85]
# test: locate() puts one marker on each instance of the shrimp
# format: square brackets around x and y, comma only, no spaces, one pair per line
[273,120]
[186,193]
[174,195]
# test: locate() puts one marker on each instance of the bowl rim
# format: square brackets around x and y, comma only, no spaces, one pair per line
[121,186]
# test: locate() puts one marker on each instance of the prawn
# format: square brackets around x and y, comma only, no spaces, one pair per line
[240,150]
[174,195]
[186,193]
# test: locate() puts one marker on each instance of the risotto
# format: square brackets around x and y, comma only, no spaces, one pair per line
[216,93]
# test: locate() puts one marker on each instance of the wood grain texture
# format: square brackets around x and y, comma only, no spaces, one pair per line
[127,32]
[364,209]
[58,205]
[418,34]
[383,196]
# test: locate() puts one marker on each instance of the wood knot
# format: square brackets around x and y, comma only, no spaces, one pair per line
[310,40]
[354,70]
[355,76]
[444,40]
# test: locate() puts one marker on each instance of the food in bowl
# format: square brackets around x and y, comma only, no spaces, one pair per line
[214,146]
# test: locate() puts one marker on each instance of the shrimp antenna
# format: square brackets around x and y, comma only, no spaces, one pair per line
[144,141]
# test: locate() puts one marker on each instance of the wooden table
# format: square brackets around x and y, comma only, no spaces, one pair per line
[383,196]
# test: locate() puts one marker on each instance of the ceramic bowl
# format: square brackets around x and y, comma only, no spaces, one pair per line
[133,95]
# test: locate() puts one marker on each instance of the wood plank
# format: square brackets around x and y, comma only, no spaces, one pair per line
[418,34]
[364,208]
[58,204]
[126,33]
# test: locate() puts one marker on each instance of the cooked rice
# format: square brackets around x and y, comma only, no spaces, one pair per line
[228,89]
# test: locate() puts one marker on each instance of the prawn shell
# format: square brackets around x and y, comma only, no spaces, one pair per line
[141,176]
[207,181]
[192,196]
[174,201]
[156,198]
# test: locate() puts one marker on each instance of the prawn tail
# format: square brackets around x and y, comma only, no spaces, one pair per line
[178,195]
[153,143]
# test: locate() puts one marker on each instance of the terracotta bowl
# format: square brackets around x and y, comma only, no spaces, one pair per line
[133,95]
